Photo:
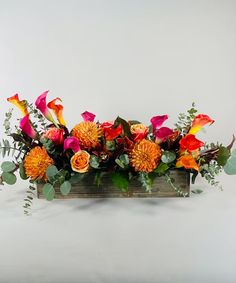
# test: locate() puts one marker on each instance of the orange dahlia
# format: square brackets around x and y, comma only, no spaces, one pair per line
[145,156]
[36,163]
[88,134]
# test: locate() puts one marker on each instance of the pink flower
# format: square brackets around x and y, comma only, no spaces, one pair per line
[72,143]
[41,105]
[55,134]
[161,133]
[157,121]
[27,128]
[87,116]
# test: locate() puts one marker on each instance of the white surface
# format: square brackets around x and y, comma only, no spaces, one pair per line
[136,59]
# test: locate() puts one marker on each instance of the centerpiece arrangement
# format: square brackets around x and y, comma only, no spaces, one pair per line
[123,158]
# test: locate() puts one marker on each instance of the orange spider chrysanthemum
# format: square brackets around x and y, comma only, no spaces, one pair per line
[88,134]
[36,163]
[145,156]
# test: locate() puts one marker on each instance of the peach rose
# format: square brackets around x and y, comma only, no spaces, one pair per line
[139,131]
[80,161]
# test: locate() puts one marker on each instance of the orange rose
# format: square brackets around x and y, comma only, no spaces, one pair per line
[80,161]
[139,131]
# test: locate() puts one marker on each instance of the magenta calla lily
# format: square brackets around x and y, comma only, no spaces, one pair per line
[72,143]
[162,134]
[27,128]
[41,105]
[88,116]
[157,121]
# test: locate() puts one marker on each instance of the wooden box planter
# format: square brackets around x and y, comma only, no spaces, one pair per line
[87,189]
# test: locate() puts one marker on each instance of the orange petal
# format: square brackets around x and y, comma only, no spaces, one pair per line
[57,109]
[188,162]
[20,104]
[200,121]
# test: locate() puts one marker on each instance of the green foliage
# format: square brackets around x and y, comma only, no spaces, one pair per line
[123,161]
[49,191]
[110,145]
[94,161]
[49,145]
[185,120]
[230,167]
[177,188]
[197,191]
[98,178]
[29,199]
[7,123]
[120,180]
[134,122]
[51,171]
[65,188]
[210,171]
[8,166]
[168,156]
[146,180]
[161,169]
[9,178]
[22,172]
[223,155]
[125,126]
[76,178]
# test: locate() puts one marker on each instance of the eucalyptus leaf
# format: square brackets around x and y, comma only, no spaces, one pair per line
[168,156]
[49,192]
[65,188]
[9,178]
[230,167]
[111,145]
[51,171]
[22,172]
[8,166]
[223,155]
[94,161]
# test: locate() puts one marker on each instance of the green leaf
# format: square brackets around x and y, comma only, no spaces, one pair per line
[162,168]
[110,145]
[197,191]
[94,161]
[230,167]
[194,176]
[125,126]
[223,155]
[123,160]
[77,178]
[98,179]
[8,166]
[51,171]
[65,188]
[120,180]
[22,172]
[9,178]
[168,156]
[134,122]
[146,180]
[49,192]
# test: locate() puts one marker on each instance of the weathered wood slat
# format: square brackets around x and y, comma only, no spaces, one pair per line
[87,189]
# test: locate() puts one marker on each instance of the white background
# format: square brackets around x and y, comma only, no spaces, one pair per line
[136,59]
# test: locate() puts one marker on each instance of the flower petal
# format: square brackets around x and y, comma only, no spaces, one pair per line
[72,143]
[20,104]
[57,109]
[157,121]
[162,134]
[188,162]
[200,121]
[190,143]
[88,116]
[41,105]
[27,128]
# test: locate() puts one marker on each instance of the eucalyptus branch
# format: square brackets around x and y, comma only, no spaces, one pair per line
[176,188]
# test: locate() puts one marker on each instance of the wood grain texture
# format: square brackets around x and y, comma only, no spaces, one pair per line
[87,189]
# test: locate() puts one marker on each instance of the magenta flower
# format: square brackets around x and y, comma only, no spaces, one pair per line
[88,117]
[161,133]
[157,121]
[27,128]
[71,143]
[41,105]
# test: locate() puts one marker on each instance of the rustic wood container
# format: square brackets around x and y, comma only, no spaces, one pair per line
[87,189]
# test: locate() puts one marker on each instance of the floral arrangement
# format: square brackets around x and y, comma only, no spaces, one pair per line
[45,150]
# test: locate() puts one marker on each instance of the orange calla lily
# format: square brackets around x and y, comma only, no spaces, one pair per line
[57,109]
[190,143]
[200,121]
[20,104]
[188,162]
